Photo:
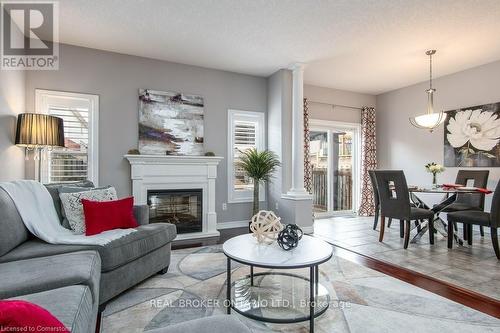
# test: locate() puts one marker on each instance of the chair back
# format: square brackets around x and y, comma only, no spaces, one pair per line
[376,199]
[393,194]
[495,208]
[480,179]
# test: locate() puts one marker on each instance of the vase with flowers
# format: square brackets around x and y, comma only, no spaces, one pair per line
[434,169]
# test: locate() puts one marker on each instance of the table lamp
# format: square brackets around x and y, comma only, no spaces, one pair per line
[36,131]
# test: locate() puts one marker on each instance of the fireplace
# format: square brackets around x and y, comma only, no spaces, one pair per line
[184,208]
[163,174]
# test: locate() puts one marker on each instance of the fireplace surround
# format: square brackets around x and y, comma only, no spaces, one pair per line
[161,174]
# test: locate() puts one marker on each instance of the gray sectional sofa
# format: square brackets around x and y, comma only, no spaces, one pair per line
[74,281]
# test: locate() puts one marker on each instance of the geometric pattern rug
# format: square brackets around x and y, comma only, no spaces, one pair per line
[362,300]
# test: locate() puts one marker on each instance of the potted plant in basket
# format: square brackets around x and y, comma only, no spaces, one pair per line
[260,166]
[434,169]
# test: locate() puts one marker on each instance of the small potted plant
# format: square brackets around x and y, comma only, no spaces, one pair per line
[434,169]
[260,166]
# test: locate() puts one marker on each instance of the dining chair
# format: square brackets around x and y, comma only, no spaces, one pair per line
[469,201]
[481,218]
[376,200]
[395,203]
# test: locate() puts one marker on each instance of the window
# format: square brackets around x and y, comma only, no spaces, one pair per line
[246,130]
[78,160]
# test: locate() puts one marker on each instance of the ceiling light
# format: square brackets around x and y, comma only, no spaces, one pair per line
[430,120]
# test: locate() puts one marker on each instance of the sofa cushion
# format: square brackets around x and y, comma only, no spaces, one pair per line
[34,275]
[119,252]
[214,324]
[73,208]
[12,229]
[16,314]
[54,193]
[72,305]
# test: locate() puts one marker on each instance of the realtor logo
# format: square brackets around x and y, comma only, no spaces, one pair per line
[29,35]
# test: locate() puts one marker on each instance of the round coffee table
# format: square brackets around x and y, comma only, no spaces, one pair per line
[253,300]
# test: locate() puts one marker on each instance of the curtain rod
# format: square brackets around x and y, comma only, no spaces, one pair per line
[334,105]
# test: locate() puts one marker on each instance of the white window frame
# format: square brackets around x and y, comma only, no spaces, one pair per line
[46,99]
[328,126]
[239,115]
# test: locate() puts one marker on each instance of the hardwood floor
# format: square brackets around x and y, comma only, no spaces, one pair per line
[450,291]
[225,234]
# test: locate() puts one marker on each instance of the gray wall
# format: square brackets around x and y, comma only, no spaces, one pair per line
[12,102]
[401,146]
[116,78]
[12,97]
[321,100]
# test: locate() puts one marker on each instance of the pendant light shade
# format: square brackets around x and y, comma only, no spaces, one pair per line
[429,120]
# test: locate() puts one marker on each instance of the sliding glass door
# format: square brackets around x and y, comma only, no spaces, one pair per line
[334,157]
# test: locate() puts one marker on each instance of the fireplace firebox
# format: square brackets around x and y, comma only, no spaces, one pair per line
[184,208]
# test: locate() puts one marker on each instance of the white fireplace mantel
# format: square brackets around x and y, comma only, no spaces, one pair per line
[156,172]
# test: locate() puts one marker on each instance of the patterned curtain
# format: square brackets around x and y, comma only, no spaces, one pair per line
[307,164]
[368,160]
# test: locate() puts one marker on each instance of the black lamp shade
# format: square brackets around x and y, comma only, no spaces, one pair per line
[36,129]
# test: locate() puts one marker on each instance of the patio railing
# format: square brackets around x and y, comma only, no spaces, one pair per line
[342,193]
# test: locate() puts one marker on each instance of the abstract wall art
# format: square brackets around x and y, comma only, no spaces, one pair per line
[472,136]
[170,123]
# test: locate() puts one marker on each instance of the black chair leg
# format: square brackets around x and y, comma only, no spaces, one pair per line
[407,224]
[494,240]
[417,224]
[450,234]
[469,234]
[465,231]
[431,231]
[402,229]
[481,230]
[375,221]
[389,223]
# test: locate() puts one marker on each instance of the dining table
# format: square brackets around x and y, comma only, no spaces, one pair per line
[449,196]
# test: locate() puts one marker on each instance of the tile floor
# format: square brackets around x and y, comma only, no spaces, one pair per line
[473,267]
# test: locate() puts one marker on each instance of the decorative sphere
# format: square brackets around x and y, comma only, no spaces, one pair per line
[289,237]
[265,226]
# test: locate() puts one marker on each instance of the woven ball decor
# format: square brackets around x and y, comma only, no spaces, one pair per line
[289,237]
[265,226]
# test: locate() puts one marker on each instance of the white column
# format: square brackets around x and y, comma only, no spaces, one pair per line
[297,189]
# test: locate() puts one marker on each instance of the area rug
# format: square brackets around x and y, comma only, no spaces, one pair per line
[361,300]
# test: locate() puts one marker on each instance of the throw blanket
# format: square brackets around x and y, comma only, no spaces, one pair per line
[36,208]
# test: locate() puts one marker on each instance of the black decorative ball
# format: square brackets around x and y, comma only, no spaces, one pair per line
[289,237]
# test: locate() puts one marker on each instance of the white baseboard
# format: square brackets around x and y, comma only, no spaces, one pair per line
[308,230]
[232,224]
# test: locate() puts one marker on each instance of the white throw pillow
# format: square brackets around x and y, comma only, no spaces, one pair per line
[73,207]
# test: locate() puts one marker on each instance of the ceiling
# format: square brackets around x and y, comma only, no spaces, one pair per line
[357,45]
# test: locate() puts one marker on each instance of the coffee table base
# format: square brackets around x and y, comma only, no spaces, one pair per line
[318,302]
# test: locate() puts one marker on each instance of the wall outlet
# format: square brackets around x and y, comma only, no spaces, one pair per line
[224,206]
[277,207]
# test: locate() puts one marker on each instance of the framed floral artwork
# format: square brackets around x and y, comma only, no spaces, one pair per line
[472,136]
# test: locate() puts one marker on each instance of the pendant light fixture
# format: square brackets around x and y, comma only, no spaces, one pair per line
[430,120]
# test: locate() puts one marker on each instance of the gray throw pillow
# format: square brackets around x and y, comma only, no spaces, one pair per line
[73,189]
[73,208]
[53,189]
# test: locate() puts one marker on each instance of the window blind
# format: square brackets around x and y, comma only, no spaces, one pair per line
[245,134]
[70,164]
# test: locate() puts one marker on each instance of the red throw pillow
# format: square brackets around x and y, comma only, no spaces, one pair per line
[108,215]
[22,316]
